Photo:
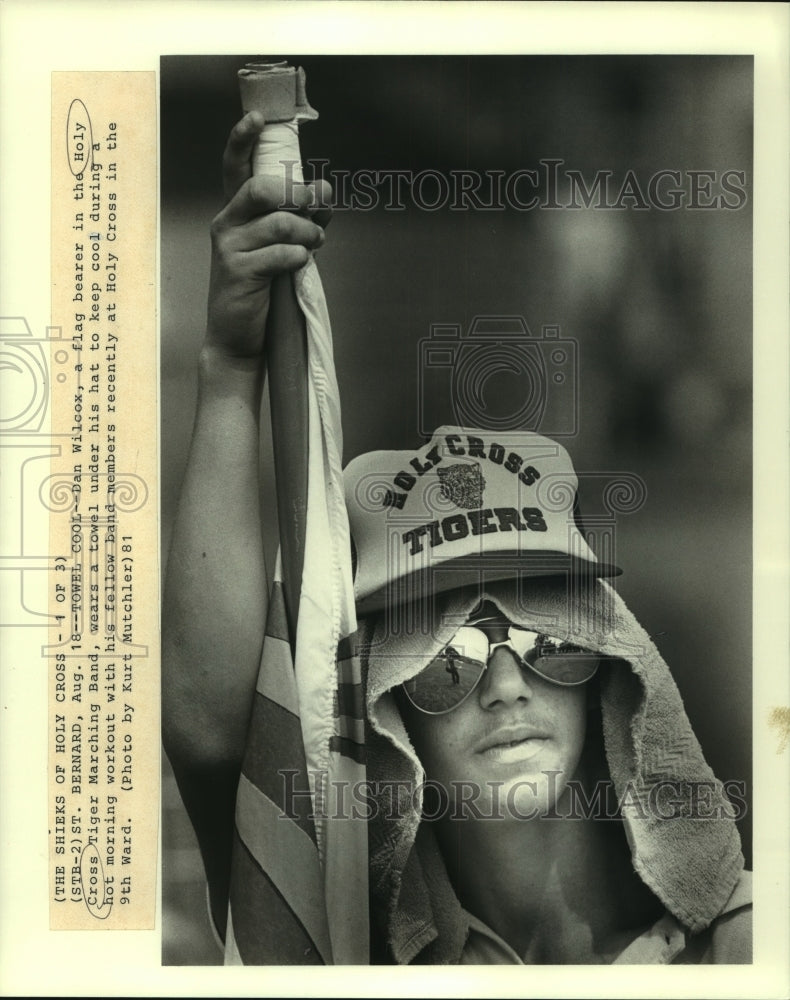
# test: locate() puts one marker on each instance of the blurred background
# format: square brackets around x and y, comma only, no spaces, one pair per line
[654,305]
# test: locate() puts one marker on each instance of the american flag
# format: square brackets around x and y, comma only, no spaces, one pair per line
[299,884]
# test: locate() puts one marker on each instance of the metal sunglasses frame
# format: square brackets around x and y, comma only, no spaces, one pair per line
[492,647]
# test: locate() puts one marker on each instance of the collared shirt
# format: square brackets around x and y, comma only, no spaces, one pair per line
[659,945]
[727,940]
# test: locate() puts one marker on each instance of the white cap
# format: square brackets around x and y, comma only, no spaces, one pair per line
[469,506]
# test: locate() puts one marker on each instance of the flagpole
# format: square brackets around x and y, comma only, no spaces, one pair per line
[277,91]
[327,895]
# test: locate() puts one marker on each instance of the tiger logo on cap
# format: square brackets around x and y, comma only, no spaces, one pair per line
[462,484]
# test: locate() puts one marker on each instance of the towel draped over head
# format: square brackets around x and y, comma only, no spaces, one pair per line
[691,862]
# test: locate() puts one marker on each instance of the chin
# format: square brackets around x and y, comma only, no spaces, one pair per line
[511,793]
[531,797]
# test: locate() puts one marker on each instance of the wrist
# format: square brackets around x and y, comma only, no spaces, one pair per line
[226,377]
[216,364]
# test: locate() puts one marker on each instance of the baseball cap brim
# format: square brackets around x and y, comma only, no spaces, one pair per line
[478,570]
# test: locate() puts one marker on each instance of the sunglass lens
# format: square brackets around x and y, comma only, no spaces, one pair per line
[444,683]
[566,668]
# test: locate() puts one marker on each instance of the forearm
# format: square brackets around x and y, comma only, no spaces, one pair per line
[215,591]
[215,600]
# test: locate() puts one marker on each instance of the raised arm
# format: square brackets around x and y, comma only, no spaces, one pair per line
[215,596]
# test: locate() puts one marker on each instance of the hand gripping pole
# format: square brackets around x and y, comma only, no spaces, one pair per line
[277,90]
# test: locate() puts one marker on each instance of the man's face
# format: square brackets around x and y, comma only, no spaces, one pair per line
[514,743]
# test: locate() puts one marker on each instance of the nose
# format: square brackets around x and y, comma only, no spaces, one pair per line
[505,681]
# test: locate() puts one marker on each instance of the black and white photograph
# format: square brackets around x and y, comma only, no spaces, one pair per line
[498,714]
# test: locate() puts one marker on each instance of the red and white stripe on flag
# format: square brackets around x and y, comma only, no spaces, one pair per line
[299,884]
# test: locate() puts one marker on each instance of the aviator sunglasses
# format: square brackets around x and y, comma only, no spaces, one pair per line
[455,672]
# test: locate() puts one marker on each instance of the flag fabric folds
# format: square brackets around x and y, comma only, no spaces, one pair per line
[299,884]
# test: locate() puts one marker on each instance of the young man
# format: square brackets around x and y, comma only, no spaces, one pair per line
[510,693]
[550,803]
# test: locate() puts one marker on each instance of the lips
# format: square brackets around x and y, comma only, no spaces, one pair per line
[510,738]
[514,753]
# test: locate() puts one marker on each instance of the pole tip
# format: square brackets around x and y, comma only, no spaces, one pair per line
[275,89]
